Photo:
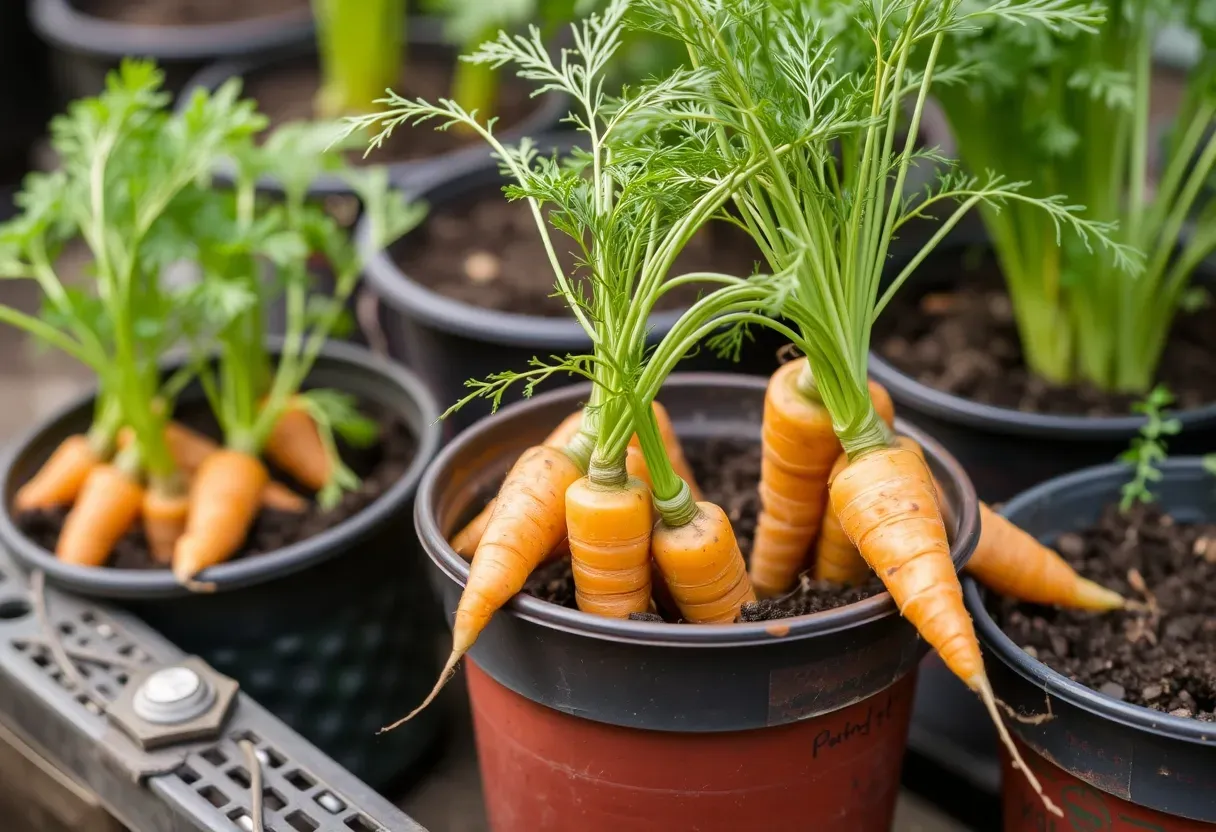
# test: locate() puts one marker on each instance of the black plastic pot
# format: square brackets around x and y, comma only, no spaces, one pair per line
[1130,761]
[739,682]
[1007,451]
[334,634]
[86,47]
[425,38]
[448,342]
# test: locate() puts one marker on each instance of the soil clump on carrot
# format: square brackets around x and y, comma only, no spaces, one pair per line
[1161,653]
[964,341]
[286,91]
[484,251]
[728,472]
[379,466]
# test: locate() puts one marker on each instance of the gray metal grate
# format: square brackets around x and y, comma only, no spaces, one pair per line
[193,786]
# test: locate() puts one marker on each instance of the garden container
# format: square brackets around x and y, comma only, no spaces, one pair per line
[1005,451]
[448,341]
[1109,764]
[426,43]
[591,723]
[85,46]
[334,634]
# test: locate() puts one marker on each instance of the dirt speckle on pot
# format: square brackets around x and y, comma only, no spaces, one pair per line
[1161,651]
[965,341]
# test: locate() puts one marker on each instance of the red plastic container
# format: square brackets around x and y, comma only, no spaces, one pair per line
[546,771]
[1086,809]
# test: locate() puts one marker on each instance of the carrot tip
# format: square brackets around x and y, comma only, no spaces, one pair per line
[191,584]
[1093,596]
[449,670]
[983,687]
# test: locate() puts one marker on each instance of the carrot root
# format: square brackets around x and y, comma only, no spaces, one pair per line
[610,547]
[983,687]
[107,507]
[295,446]
[164,518]
[445,676]
[703,567]
[224,498]
[59,481]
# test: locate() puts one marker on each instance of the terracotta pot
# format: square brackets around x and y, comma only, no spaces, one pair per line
[1085,808]
[1123,766]
[593,723]
[546,770]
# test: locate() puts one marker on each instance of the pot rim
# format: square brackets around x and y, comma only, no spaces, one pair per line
[389,282]
[422,31]
[1038,674]
[159,583]
[65,26]
[664,634]
[961,411]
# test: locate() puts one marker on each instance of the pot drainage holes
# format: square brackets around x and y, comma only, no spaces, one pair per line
[12,609]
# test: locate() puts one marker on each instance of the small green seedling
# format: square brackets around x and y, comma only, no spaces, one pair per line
[1148,450]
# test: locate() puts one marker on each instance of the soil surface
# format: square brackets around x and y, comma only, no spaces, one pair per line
[486,252]
[379,467]
[286,91]
[1161,653]
[190,12]
[728,472]
[964,341]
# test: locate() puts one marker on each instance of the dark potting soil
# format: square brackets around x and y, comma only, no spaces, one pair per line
[486,252]
[379,466]
[189,12]
[728,472]
[287,90]
[1161,653]
[964,341]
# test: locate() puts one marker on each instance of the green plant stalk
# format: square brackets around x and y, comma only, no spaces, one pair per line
[362,48]
[475,85]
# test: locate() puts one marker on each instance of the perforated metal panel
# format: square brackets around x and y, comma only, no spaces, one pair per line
[195,786]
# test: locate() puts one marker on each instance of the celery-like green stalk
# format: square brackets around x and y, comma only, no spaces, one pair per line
[362,47]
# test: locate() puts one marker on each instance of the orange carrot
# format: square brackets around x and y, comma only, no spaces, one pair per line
[295,446]
[609,531]
[61,477]
[799,447]
[106,508]
[702,566]
[1006,559]
[164,517]
[836,558]
[886,501]
[189,449]
[527,523]
[224,499]
[465,541]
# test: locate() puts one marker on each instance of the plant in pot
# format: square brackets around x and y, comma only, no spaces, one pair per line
[652,572]
[162,499]
[1035,376]
[1116,709]
[89,38]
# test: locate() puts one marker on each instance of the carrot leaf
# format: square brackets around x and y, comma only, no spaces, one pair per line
[1148,449]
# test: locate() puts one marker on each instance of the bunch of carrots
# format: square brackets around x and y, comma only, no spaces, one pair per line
[134,187]
[786,125]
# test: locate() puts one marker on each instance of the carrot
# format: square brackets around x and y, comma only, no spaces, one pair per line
[609,531]
[527,523]
[224,499]
[190,448]
[702,566]
[464,543]
[61,477]
[836,558]
[1006,559]
[295,446]
[887,503]
[106,508]
[164,517]
[799,447]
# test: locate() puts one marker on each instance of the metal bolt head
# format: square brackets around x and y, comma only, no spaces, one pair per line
[173,684]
